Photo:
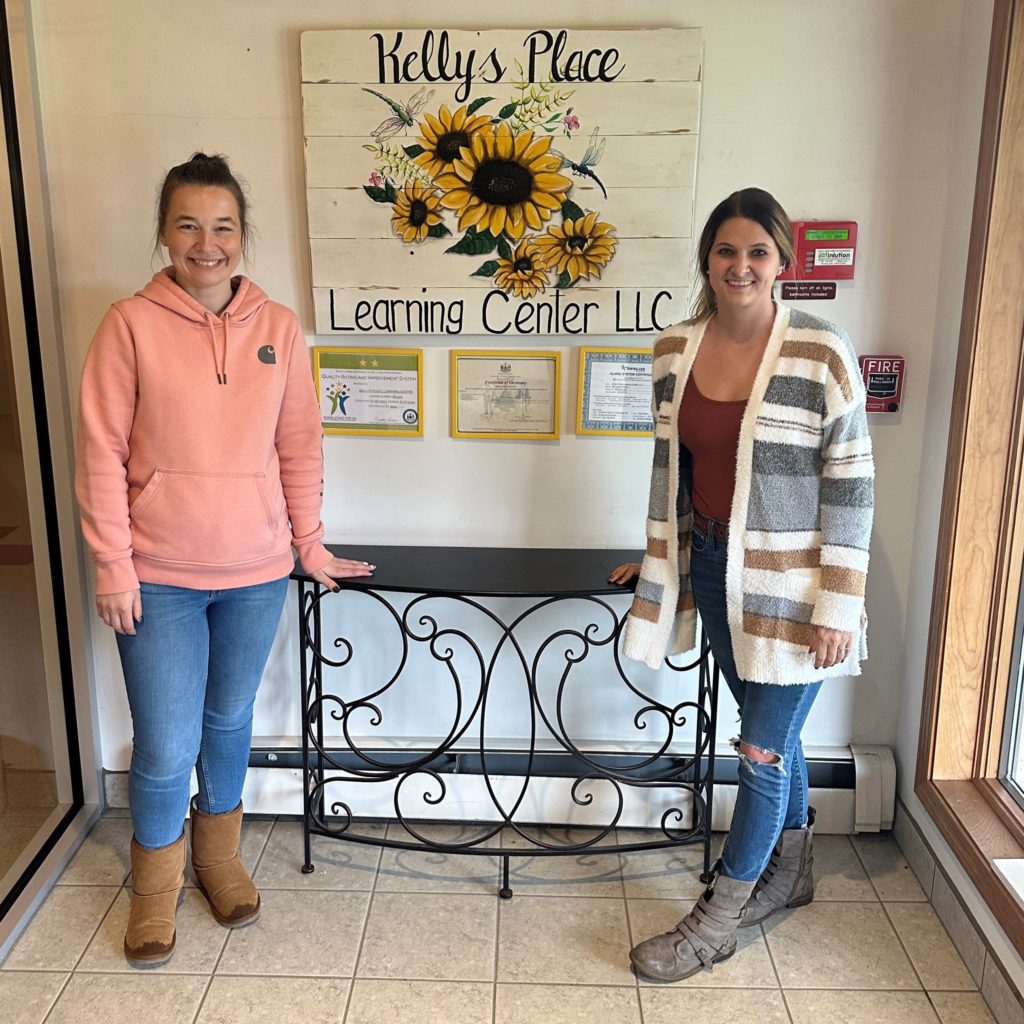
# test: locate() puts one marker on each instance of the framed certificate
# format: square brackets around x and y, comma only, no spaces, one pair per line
[373,391]
[615,392]
[507,394]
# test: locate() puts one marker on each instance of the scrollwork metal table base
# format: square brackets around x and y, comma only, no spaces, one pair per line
[459,580]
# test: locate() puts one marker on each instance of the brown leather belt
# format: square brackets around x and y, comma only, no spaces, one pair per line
[702,522]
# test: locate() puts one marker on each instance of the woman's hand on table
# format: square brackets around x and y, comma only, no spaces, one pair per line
[829,646]
[120,611]
[341,569]
[624,574]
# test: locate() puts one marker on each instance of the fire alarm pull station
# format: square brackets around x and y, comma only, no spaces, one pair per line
[883,380]
[825,251]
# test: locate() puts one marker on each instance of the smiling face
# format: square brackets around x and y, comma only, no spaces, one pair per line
[202,232]
[742,265]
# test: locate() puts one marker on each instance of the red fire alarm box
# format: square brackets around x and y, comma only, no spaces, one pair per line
[883,380]
[825,251]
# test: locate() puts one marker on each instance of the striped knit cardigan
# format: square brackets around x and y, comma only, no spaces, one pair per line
[801,512]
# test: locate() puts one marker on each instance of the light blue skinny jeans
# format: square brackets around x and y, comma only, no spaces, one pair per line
[771,796]
[192,671]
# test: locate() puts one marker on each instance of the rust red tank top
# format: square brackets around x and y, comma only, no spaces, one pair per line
[711,431]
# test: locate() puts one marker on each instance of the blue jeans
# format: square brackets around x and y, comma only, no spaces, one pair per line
[192,671]
[771,796]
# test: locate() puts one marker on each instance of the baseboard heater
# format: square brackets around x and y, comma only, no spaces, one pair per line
[822,773]
[853,789]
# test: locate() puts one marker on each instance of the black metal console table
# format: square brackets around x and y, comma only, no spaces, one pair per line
[435,580]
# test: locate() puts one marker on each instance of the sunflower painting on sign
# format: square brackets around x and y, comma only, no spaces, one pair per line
[503,181]
[490,200]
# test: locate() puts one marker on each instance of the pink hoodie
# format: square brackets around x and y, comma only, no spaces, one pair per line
[200,458]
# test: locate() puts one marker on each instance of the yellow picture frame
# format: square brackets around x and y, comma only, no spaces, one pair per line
[342,373]
[506,394]
[623,390]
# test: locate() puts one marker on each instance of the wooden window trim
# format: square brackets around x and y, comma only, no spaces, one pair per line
[980,555]
[1006,808]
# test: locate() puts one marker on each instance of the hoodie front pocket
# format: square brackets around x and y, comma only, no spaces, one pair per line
[206,518]
[138,504]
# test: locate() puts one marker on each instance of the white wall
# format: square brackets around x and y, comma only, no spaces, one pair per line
[862,111]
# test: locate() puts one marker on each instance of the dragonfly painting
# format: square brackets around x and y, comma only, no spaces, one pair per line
[591,156]
[404,116]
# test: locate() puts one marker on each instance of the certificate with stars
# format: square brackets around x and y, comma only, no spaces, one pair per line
[370,391]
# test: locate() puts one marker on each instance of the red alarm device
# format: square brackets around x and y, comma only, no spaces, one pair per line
[826,250]
[883,381]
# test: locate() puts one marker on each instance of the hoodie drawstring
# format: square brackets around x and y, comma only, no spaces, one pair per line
[220,365]
[224,359]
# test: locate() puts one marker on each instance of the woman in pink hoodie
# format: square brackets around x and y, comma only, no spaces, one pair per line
[200,468]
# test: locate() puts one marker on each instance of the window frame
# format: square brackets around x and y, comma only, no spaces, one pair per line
[980,553]
[1013,733]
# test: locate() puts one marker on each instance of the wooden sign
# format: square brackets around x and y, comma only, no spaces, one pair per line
[508,182]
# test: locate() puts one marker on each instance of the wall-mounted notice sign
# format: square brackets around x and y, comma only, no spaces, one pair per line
[808,289]
[825,250]
[883,380]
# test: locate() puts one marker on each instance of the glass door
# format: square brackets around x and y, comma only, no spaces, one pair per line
[28,767]
[47,799]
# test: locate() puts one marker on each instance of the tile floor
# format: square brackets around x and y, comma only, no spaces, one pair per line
[19,826]
[391,937]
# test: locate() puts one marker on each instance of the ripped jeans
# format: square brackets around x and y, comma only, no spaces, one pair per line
[771,796]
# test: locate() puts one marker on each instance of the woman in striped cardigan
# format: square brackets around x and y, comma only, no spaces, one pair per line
[759,519]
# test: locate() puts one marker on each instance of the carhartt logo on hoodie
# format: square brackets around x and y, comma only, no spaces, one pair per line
[266,354]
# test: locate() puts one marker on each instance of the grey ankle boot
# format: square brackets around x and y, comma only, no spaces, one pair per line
[706,936]
[788,881]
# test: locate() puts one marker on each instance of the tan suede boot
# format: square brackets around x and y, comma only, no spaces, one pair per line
[157,880]
[219,873]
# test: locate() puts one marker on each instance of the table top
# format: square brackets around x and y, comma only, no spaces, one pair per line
[495,572]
